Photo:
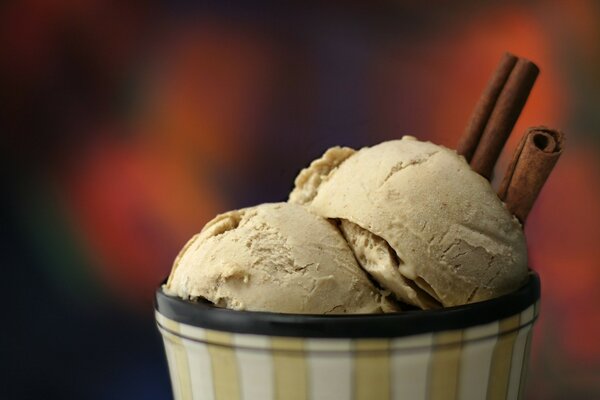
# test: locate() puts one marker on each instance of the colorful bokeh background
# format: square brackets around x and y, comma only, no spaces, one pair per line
[125,126]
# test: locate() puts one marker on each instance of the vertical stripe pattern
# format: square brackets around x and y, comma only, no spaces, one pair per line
[482,362]
[411,365]
[372,369]
[224,365]
[199,363]
[476,360]
[255,367]
[289,363]
[178,361]
[502,359]
[525,366]
[518,355]
[445,363]
[330,368]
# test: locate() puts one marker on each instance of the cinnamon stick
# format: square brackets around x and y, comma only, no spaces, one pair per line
[476,125]
[529,169]
[487,130]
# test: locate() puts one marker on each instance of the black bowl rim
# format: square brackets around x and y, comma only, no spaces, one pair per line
[407,323]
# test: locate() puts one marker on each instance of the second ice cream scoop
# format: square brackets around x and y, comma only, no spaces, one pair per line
[419,220]
[275,257]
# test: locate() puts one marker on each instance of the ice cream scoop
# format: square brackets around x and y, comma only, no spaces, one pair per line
[419,220]
[275,257]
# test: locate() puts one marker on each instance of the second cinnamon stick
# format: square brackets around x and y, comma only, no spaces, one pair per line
[529,169]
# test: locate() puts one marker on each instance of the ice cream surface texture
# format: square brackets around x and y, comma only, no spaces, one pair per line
[419,220]
[275,257]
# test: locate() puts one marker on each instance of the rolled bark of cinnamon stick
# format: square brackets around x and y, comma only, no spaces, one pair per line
[503,117]
[532,162]
[479,118]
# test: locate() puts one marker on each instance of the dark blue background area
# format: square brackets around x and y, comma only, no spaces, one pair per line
[52,348]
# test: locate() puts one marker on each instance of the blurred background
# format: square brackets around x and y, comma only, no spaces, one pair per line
[125,126]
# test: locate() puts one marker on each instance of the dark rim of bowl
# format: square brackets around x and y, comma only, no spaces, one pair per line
[208,316]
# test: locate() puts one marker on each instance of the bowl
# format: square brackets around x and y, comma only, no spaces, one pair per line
[475,351]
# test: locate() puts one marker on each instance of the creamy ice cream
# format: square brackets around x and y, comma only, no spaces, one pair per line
[413,215]
[275,257]
[419,220]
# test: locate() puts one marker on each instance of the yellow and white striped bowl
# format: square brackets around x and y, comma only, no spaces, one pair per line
[478,351]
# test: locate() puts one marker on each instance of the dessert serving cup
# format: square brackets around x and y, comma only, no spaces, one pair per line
[476,351]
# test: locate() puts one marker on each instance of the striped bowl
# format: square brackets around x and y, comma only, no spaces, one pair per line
[478,351]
